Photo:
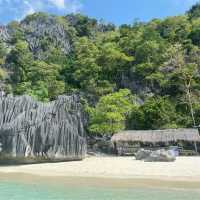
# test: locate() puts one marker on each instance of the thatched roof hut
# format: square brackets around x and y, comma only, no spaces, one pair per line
[155,136]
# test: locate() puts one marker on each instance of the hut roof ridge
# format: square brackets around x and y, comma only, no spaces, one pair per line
[165,135]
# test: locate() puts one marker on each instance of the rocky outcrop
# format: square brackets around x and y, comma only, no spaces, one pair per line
[32,131]
[4,33]
[161,155]
[40,30]
[100,145]
[138,85]
[142,154]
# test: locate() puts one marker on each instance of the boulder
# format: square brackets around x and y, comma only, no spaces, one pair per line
[100,145]
[160,156]
[142,154]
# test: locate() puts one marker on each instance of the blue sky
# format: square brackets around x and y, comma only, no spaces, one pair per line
[116,11]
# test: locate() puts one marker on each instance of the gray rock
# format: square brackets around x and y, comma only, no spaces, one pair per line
[4,33]
[160,156]
[100,145]
[142,154]
[39,29]
[31,130]
[38,32]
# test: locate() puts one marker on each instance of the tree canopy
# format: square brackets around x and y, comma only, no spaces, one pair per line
[110,113]
[144,75]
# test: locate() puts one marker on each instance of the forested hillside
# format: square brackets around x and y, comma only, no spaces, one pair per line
[139,76]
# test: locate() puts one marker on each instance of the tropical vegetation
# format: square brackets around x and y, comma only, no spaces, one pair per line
[139,76]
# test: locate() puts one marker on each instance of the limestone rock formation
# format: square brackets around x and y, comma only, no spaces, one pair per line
[40,30]
[4,33]
[32,131]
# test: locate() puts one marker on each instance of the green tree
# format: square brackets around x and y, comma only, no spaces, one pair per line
[17,32]
[184,75]
[175,29]
[84,25]
[47,75]
[86,68]
[194,12]
[20,59]
[113,61]
[155,113]
[3,53]
[110,113]
[3,74]
[39,91]
[150,52]
[36,78]
[195,32]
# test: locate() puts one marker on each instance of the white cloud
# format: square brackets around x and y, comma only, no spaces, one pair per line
[59,3]
[30,10]
[18,9]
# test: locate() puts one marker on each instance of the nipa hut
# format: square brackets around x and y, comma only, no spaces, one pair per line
[128,142]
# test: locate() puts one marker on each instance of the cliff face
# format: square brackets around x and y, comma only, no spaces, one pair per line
[41,30]
[4,33]
[36,131]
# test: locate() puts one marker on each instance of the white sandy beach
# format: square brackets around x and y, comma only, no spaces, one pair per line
[183,169]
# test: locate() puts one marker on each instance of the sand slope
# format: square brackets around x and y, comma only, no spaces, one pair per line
[185,168]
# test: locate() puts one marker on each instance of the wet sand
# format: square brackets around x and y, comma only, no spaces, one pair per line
[22,178]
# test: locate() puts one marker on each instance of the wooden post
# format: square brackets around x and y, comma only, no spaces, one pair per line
[115,147]
[195,146]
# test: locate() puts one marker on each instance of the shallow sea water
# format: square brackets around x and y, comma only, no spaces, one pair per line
[11,190]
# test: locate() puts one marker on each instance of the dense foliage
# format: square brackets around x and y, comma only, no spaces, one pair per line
[140,76]
[110,113]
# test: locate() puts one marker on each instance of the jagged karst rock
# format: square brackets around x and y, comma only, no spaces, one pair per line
[46,28]
[4,33]
[39,30]
[31,130]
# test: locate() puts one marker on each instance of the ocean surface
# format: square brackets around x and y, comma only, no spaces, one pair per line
[15,190]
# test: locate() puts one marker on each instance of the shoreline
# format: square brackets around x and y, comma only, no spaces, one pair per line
[112,170]
[108,182]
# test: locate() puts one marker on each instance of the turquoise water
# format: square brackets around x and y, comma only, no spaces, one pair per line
[21,191]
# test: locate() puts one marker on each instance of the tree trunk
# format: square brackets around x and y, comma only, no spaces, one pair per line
[188,95]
